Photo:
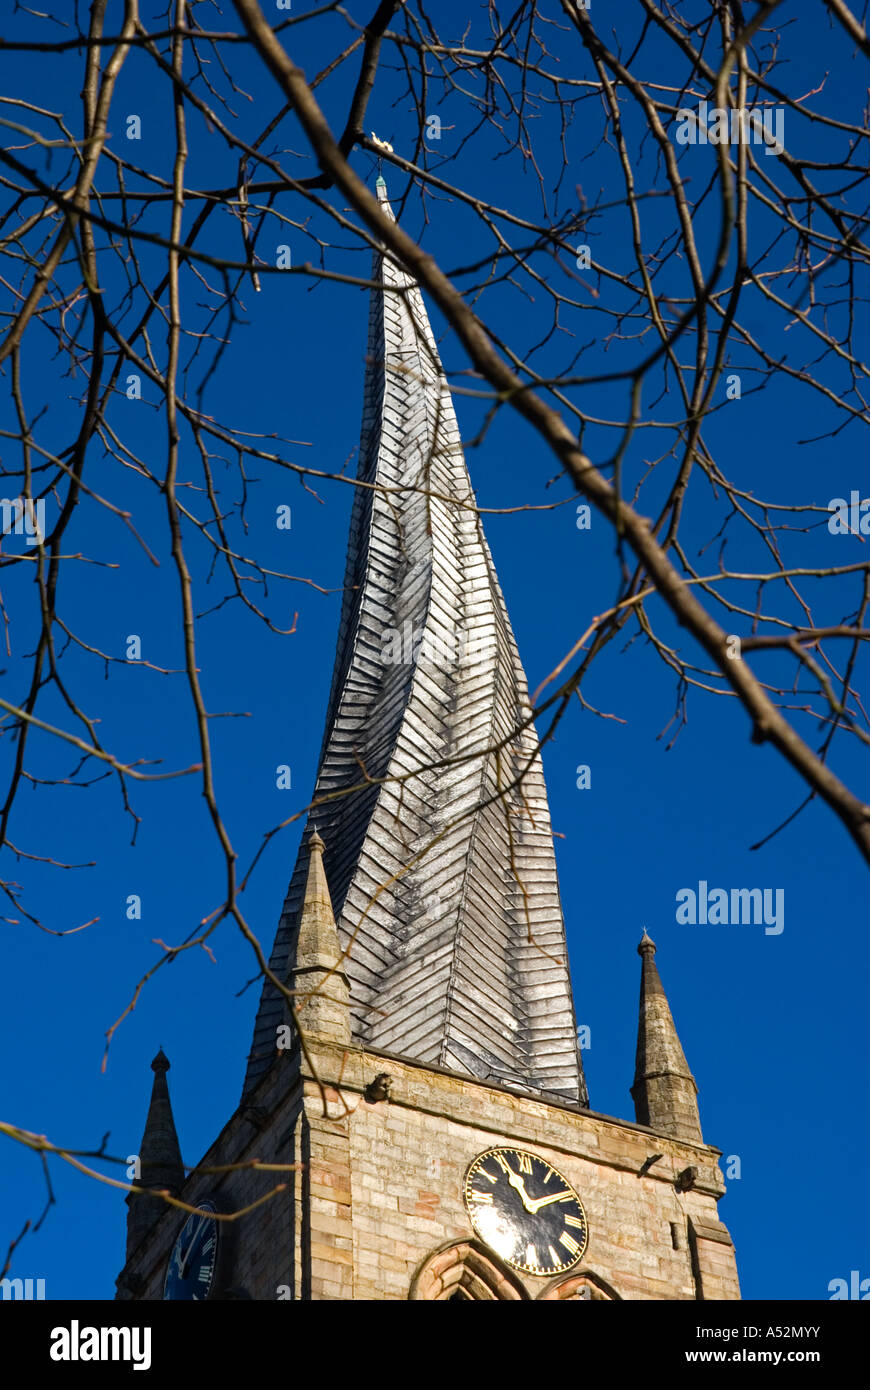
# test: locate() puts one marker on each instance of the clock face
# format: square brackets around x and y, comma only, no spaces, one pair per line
[193,1260]
[525,1211]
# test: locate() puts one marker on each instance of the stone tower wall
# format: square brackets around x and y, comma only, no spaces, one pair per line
[381,1189]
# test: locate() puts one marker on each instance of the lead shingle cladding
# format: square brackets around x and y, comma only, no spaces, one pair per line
[443,876]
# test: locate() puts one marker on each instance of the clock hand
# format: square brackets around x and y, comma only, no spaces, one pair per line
[535,1203]
[194,1237]
[517,1182]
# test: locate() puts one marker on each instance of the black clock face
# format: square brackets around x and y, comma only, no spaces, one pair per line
[525,1211]
[194,1257]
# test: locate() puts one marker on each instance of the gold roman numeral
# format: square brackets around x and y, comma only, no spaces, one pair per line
[525,1163]
[485,1198]
[575,1222]
[503,1163]
[569,1243]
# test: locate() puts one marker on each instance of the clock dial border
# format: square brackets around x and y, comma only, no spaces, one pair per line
[208,1207]
[523,1167]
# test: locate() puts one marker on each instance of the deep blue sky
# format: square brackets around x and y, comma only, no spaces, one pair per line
[773,1027]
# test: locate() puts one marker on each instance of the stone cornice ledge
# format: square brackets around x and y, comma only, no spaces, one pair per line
[352,1069]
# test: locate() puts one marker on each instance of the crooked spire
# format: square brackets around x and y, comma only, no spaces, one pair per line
[159,1159]
[664,1090]
[440,866]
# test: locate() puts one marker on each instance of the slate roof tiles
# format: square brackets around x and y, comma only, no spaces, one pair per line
[440,963]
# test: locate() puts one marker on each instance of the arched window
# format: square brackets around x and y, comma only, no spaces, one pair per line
[582,1287]
[465,1271]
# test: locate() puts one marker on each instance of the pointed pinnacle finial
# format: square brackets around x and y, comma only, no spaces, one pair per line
[316,891]
[317,970]
[664,1090]
[160,1159]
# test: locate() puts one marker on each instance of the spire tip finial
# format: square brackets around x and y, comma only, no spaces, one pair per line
[646,943]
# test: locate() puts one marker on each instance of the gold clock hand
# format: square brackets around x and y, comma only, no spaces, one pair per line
[518,1184]
[535,1203]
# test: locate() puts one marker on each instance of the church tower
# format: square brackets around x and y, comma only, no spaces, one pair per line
[414,1122]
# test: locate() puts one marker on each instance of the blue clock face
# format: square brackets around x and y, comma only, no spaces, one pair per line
[193,1260]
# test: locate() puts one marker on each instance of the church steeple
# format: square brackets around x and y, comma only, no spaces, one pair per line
[423,942]
[441,868]
[664,1090]
[159,1159]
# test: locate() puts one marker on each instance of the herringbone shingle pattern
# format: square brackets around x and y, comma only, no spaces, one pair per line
[441,871]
